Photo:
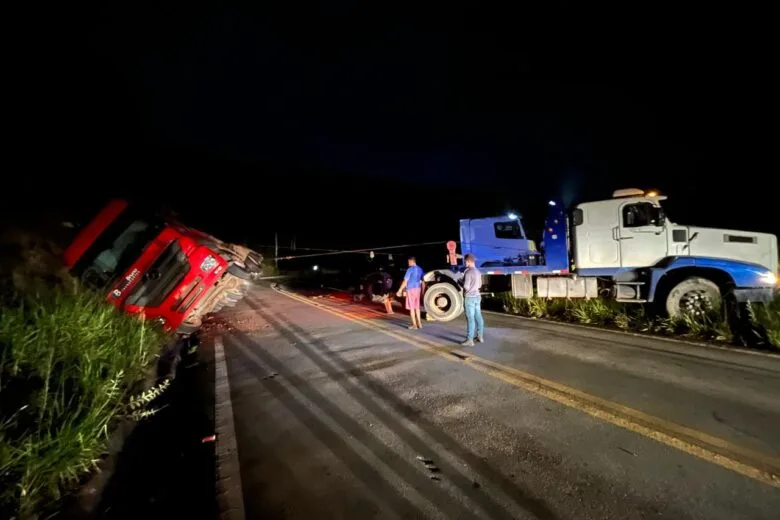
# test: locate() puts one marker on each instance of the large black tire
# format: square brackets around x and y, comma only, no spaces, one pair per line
[239,272]
[375,284]
[695,296]
[443,302]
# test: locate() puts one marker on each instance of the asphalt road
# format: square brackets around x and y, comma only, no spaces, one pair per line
[341,412]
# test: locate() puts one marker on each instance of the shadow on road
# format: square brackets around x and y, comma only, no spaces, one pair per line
[372,395]
[164,470]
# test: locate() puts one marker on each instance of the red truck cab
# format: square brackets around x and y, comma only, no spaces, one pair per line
[144,264]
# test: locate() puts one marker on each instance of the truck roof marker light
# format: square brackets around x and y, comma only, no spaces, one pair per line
[512,216]
[627,192]
[551,203]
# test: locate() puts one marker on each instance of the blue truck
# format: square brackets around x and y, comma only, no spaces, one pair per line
[623,248]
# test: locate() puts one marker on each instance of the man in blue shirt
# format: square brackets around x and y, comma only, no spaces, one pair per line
[414,286]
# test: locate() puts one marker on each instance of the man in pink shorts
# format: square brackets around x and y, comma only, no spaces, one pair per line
[414,286]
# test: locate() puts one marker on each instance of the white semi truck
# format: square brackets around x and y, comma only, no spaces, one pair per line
[622,248]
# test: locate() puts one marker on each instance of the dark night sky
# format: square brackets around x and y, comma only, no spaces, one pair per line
[231,114]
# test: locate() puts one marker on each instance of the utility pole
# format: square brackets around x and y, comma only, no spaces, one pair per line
[276,250]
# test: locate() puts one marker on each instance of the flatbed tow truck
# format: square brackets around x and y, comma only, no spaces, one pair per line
[623,248]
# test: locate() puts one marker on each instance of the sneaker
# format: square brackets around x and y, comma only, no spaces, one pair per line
[467,343]
[479,339]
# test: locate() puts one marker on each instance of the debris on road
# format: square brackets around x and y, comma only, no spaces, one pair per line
[627,451]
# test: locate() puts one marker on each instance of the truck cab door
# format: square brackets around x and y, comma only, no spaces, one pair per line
[642,234]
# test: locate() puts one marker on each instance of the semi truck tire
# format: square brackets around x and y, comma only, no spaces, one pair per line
[694,296]
[374,284]
[239,272]
[443,302]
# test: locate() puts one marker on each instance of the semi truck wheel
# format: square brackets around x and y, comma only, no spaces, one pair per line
[443,302]
[239,272]
[695,296]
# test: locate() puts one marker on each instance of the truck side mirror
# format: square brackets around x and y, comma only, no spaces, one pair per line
[577,217]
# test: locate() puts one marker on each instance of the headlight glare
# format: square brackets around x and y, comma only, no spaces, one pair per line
[768,278]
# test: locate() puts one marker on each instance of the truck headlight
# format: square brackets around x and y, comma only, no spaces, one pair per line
[769,278]
[208,264]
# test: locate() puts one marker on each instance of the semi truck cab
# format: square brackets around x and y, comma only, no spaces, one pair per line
[154,266]
[143,264]
[631,230]
[496,240]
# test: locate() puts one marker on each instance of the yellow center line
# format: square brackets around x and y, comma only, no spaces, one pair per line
[753,464]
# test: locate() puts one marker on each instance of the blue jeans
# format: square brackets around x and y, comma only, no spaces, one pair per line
[474,315]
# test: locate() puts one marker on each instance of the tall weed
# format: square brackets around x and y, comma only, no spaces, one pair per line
[710,326]
[68,365]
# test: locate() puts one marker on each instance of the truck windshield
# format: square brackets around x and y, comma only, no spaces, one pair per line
[163,276]
[115,250]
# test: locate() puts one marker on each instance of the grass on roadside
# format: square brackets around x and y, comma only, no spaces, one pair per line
[769,317]
[609,313]
[69,364]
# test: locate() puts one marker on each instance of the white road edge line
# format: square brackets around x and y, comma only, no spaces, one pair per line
[230,494]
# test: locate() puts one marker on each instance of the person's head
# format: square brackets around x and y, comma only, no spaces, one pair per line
[412,261]
[470,260]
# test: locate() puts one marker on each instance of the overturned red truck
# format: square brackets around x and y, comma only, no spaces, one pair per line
[150,264]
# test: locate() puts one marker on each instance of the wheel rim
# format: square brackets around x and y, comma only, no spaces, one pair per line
[442,303]
[696,302]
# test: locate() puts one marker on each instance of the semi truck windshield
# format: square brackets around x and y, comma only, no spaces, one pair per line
[163,276]
[115,250]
